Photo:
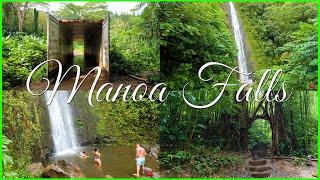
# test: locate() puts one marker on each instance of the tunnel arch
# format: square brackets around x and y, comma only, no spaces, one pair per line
[260,130]
[62,33]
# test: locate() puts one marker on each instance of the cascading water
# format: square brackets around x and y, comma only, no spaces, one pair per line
[61,120]
[242,58]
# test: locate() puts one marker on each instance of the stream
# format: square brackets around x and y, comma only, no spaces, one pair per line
[117,161]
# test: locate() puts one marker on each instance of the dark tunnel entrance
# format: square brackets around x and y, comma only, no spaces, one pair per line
[62,35]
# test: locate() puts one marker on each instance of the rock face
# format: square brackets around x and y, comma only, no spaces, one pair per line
[62,169]
[104,140]
[259,151]
[36,169]
[45,152]
[146,147]
[107,140]
[154,151]
[155,175]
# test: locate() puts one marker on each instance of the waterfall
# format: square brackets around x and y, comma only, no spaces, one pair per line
[238,34]
[61,121]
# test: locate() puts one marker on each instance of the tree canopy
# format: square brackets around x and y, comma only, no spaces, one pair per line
[90,10]
[283,36]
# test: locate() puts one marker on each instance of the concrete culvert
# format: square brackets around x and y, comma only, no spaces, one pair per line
[95,35]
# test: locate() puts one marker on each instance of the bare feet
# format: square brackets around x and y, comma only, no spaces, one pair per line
[136,175]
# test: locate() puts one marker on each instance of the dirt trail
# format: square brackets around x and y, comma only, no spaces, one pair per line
[280,169]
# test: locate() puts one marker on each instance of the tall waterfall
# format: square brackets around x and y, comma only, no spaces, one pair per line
[61,120]
[238,34]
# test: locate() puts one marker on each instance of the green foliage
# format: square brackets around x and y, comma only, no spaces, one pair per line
[202,162]
[302,56]
[35,21]
[128,122]
[79,46]
[9,19]
[299,161]
[7,160]
[134,43]
[183,127]
[20,54]
[79,123]
[193,34]
[301,120]
[90,10]
[283,36]
[260,131]
[21,124]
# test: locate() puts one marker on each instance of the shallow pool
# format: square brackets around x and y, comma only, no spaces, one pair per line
[117,161]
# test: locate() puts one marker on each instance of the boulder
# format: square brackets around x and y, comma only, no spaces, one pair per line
[45,152]
[97,140]
[259,151]
[63,169]
[309,163]
[36,169]
[85,143]
[155,175]
[147,169]
[106,140]
[146,147]
[157,146]
[154,151]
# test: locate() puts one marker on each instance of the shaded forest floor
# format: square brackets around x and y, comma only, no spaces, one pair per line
[280,169]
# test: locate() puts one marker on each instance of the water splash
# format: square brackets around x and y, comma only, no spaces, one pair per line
[238,34]
[61,121]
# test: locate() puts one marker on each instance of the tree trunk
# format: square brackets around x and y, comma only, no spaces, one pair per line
[21,9]
[35,20]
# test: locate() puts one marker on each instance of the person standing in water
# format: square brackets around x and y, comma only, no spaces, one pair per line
[140,159]
[97,155]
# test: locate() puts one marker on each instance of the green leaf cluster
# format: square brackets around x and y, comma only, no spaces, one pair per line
[134,42]
[192,34]
[22,125]
[20,54]
[200,161]
[128,122]
[283,35]
[90,10]
[7,160]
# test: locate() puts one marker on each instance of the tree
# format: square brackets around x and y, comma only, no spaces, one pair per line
[90,10]
[35,21]
[22,8]
[9,19]
[301,56]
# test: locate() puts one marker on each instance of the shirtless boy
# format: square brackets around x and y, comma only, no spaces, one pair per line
[140,159]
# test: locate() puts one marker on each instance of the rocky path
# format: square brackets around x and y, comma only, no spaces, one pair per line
[280,169]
